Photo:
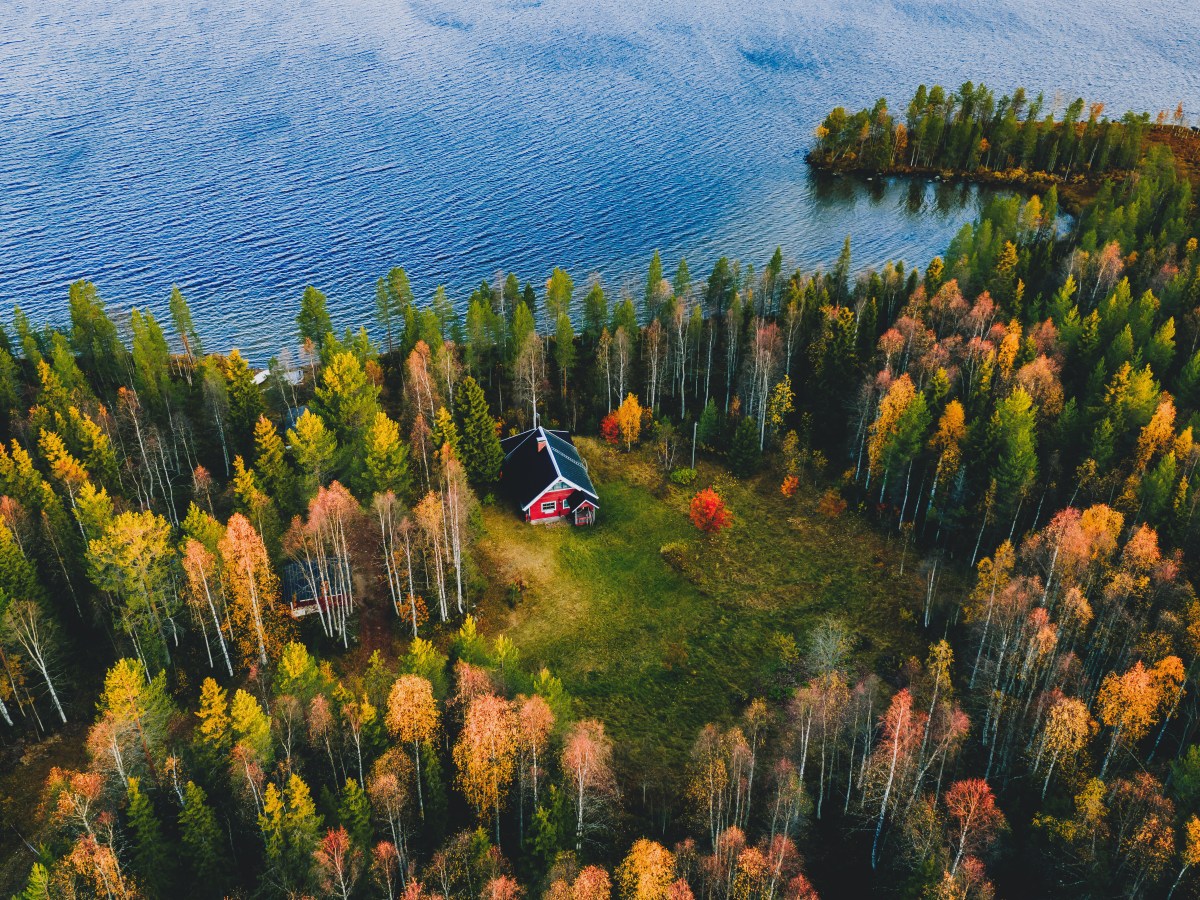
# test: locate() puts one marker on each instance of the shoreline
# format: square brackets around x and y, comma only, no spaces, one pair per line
[1073,193]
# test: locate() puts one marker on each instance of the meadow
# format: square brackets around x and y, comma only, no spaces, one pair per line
[657,644]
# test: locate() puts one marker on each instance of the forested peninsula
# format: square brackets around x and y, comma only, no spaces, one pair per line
[1016,140]
[890,589]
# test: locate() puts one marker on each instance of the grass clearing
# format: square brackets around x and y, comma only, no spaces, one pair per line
[656,649]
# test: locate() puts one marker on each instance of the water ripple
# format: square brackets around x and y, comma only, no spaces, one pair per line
[245,150]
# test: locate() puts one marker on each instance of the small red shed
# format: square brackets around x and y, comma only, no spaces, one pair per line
[547,478]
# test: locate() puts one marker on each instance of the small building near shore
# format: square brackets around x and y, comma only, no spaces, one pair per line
[546,477]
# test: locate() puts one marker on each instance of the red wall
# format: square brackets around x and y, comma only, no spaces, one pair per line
[535,513]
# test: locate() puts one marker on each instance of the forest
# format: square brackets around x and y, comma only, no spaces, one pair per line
[1005,438]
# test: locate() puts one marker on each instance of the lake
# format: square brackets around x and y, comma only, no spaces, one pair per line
[243,150]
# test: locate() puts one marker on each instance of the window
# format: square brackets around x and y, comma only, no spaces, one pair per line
[549,506]
[565,506]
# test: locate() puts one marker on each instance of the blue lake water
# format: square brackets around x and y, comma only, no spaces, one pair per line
[243,150]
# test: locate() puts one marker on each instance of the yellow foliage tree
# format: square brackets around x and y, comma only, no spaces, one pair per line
[647,872]
[629,420]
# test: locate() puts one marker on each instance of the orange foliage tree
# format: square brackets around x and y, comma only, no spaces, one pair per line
[412,717]
[486,754]
[647,872]
[974,817]
[709,512]
[587,763]
[339,863]
[253,590]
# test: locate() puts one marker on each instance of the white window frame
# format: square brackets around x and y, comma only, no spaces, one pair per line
[566,507]
[553,504]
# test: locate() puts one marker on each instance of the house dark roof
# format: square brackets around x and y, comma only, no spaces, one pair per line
[577,499]
[301,581]
[535,459]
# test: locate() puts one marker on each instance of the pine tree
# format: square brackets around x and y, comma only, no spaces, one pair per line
[479,444]
[94,336]
[181,315]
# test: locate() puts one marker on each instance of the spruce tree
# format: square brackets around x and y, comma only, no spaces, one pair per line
[708,427]
[151,856]
[445,431]
[271,464]
[564,350]
[245,401]
[313,318]
[1015,425]
[354,812]
[385,459]
[683,279]
[595,311]
[744,455]
[653,279]
[203,843]
[479,444]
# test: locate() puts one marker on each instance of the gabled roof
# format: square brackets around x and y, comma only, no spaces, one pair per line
[302,580]
[535,459]
[577,499]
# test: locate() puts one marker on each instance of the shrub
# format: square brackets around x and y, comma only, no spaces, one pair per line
[610,431]
[788,488]
[831,504]
[683,476]
[709,512]
[674,554]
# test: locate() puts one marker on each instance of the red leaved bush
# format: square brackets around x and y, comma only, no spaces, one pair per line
[709,512]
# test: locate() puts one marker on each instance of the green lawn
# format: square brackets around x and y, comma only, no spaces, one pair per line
[655,650]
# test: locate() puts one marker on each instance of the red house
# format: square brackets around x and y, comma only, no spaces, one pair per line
[544,474]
